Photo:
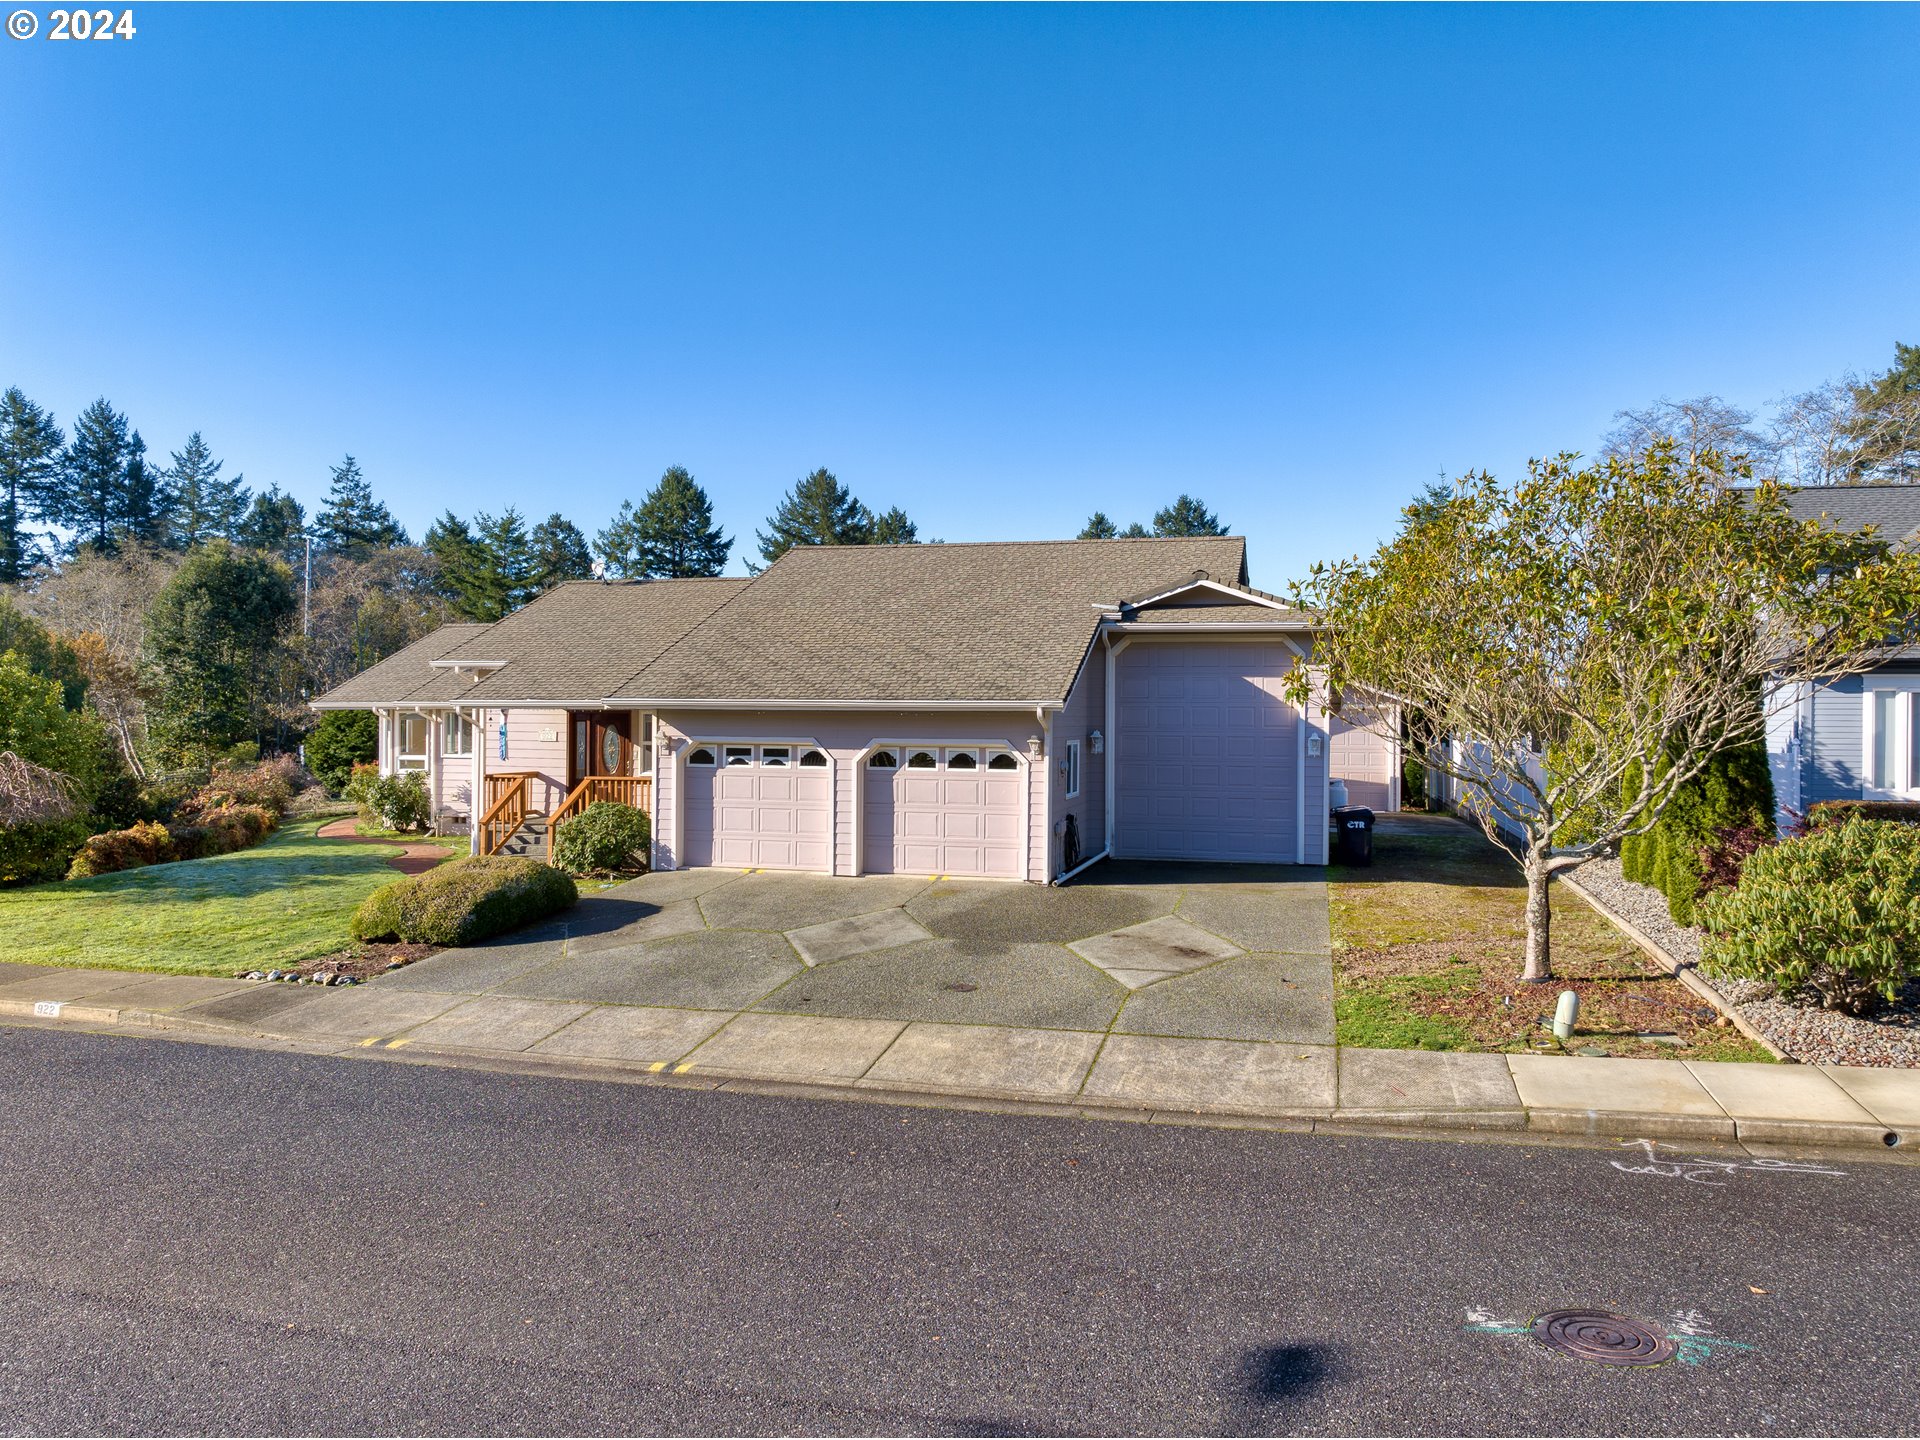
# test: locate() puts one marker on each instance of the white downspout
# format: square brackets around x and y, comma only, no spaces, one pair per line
[1112,737]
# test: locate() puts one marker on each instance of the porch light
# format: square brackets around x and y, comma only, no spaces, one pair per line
[1098,742]
[1033,746]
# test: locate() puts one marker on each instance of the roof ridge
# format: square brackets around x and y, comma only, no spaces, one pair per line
[677,640]
[1006,544]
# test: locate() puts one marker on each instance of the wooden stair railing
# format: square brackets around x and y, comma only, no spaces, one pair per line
[506,815]
[634,790]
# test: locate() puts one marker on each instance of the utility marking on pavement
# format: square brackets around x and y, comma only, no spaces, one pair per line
[682,1069]
[1690,1332]
[47,1009]
[396,1044]
[656,1067]
[1699,1170]
[370,1040]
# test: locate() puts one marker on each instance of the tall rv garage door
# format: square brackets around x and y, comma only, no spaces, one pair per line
[932,810]
[753,806]
[1206,753]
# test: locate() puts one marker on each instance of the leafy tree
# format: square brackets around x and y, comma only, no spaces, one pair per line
[64,747]
[91,499]
[212,644]
[818,510]
[352,522]
[45,654]
[559,553]
[670,536]
[205,506]
[893,528]
[1884,428]
[342,740]
[275,523]
[1098,527]
[1599,619]
[1187,516]
[29,480]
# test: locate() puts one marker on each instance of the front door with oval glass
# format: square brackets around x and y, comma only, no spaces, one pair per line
[600,742]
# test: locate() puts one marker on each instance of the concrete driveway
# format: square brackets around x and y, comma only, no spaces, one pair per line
[986,986]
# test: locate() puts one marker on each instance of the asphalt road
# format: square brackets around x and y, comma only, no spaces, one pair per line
[217,1240]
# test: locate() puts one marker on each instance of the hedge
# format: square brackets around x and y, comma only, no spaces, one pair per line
[1709,827]
[603,839]
[464,901]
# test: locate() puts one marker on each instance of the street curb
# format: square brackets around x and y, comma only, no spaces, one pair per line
[1541,1124]
[1686,973]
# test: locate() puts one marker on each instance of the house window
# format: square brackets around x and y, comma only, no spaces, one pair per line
[1073,768]
[775,756]
[459,739]
[1893,741]
[922,760]
[412,749]
[884,760]
[1003,761]
[962,760]
[813,760]
[739,755]
[700,755]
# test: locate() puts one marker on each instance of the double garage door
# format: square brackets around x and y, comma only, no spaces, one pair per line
[924,810]
[1207,757]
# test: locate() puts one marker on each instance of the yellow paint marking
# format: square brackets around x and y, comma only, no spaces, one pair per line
[395,1044]
[682,1069]
[370,1040]
[656,1067]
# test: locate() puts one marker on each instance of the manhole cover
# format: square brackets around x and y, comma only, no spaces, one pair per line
[960,985]
[1602,1337]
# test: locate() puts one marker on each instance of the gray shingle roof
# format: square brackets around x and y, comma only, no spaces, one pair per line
[1005,621]
[1894,509]
[403,674]
[1227,612]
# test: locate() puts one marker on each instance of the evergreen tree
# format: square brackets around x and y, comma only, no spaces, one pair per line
[1098,527]
[1136,531]
[29,480]
[559,553]
[205,506]
[352,522]
[1427,505]
[488,571]
[91,498]
[819,510]
[456,557]
[893,528]
[212,642]
[146,500]
[671,535]
[275,523]
[1885,425]
[1187,516]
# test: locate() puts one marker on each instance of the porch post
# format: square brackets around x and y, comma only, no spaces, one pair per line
[477,797]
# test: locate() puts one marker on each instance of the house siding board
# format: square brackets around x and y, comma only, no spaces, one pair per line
[1208,761]
[846,737]
[1833,752]
[529,749]
[1084,713]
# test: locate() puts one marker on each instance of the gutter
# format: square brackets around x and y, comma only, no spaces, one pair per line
[1084,864]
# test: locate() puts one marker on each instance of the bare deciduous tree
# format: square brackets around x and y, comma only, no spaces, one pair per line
[1694,427]
[32,794]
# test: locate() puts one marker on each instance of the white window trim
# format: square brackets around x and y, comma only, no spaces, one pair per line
[947,757]
[1073,770]
[455,720]
[405,761]
[1904,783]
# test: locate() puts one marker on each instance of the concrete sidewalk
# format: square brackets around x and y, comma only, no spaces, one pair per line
[1170,1078]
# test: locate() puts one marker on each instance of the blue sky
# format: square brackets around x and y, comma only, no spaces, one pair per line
[998,265]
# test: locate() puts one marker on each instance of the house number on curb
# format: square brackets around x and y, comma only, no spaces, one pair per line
[1701,1171]
[46,1009]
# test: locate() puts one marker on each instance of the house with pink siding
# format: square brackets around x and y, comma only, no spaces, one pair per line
[1011,710]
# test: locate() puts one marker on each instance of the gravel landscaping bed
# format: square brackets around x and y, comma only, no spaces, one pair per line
[1808,1033]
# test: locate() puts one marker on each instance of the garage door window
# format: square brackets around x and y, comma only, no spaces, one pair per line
[884,760]
[813,759]
[922,760]
[962,760]
[700,756]
[775,756]
[739,755]
[1003,761]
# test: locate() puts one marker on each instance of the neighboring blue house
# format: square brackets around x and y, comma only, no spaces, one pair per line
[1859,738]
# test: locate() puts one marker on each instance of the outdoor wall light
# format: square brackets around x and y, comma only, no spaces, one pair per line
[1098,742]
[1033,746]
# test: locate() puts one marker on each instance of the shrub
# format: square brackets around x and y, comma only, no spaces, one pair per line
[267,785]
[464,901]
[603,839]
[394,802]
[1733,793]
[342,740]
[144,843]
[1836,912]
[38,851]
[1834,812]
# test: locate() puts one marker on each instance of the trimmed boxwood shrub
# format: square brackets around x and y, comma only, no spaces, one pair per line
[603,839]
[1835,911]
[464,902]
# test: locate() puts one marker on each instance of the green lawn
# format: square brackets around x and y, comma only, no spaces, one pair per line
[286,899]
